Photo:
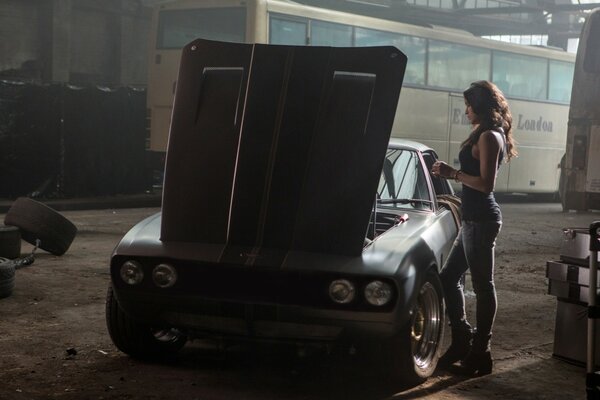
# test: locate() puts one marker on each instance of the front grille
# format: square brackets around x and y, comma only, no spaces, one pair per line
[236,310]
[252,284]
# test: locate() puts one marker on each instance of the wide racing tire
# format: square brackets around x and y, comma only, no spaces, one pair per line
[414,352]
[40,222]
[7,278]
[10,242]
[139,340]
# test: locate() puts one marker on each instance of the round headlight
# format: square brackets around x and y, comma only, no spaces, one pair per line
[164,275]
[378,293]
[132,272]
[341,291]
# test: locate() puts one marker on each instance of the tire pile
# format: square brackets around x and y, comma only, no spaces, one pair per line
[37,224]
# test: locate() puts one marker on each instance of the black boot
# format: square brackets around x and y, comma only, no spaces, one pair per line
[479,360]
[459,348]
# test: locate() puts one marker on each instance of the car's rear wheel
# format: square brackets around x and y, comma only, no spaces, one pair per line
[137,339]
[416,349]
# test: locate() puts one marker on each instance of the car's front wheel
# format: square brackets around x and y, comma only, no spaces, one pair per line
[137,339]
[415,351]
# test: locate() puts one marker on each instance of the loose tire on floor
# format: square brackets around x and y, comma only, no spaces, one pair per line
[415,351]
[10,242]
[38,221]
[7,279]
[139,340]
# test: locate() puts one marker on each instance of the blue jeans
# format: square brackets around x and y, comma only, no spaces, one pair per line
[474,250]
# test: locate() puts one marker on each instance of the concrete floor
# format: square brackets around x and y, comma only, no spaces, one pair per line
[58,305]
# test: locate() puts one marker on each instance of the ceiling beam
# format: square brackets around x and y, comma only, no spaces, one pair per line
[549,8]
[487,23]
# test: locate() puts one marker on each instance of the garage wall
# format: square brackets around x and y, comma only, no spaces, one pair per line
[75,41]
[19,34]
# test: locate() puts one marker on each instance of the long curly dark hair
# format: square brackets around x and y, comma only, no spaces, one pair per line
[490,106]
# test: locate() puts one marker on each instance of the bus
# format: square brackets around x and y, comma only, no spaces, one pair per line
[442,62]
[580,177]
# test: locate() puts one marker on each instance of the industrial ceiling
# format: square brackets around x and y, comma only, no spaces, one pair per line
[559,19]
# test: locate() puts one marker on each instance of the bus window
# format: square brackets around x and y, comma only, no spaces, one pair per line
[438,67]
[591,59]
[288,32]
[527,75]
[176,28]
[413,47]
[330,34]
[561,79]
[455,66]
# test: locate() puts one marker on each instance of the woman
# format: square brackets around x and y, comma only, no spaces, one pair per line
[481,154]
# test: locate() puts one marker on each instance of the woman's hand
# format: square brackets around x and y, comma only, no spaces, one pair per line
[443,170]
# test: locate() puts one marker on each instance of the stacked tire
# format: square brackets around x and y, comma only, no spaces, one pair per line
[7,278]
[10,248]
[10,242]
[38,225]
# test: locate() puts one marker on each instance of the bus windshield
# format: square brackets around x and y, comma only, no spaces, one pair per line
[176,28]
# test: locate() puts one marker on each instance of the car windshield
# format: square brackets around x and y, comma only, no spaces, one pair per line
[403,183]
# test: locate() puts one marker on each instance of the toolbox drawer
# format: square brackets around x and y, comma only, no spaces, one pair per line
[568,281]
[568,290]
[560,271]
[575,247]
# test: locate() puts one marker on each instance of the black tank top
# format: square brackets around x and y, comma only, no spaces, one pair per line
[476,205]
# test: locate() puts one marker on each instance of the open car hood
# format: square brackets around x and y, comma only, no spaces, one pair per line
[278,147]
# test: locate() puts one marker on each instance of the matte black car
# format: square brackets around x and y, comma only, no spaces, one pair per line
[287,213]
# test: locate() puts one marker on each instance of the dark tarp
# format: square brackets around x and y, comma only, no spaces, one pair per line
[65,141]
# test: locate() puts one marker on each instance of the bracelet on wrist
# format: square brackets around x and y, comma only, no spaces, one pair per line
[457,174]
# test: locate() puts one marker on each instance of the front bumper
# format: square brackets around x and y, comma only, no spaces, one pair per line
[213,317]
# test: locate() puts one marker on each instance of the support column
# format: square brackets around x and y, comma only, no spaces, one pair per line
[558,30]
[56,40]
[130,40]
